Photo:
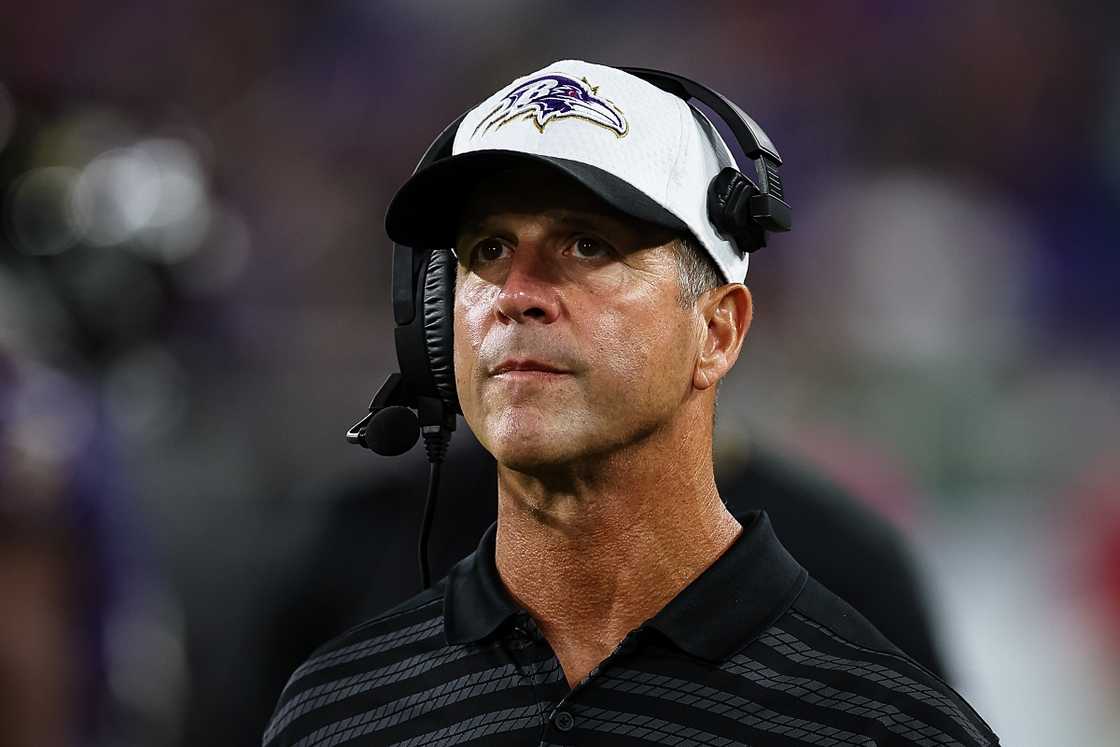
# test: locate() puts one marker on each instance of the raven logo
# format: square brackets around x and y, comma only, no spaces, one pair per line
[551,97]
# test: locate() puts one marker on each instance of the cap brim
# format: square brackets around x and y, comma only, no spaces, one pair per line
[425,211]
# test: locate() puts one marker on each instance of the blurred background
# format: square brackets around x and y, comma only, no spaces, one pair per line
[193,309]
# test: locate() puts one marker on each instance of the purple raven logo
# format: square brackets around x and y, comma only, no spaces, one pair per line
[550,97]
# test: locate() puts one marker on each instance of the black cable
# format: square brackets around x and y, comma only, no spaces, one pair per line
[426,525]
[435,443]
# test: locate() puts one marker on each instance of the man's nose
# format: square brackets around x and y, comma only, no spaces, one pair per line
[530,289]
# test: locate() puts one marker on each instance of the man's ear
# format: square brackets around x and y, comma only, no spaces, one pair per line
[727,311]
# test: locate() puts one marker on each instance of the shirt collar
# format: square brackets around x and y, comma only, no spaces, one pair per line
[737,597]
[476,602]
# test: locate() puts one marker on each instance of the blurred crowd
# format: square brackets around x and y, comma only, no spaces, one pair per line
[193,309]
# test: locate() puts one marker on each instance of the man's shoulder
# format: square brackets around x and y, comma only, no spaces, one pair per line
[368,657]
[417,618]
[833,658]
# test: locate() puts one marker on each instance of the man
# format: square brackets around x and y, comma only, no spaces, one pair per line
[336,582]
[616,600]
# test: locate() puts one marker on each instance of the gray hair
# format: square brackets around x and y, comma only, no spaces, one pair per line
[696,269]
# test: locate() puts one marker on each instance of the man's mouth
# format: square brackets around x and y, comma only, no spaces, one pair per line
[527,367]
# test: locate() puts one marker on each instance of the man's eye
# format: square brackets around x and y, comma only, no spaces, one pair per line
[489,251]
[589,247]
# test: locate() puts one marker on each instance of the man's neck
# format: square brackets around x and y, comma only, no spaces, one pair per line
[595,552]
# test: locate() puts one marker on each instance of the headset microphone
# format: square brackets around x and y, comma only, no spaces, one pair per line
[392,431]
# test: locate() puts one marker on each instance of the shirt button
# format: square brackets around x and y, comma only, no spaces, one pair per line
[564,721]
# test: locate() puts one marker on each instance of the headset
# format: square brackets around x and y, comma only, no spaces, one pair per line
[421,399]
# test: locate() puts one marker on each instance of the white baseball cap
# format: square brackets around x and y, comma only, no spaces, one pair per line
[642,150]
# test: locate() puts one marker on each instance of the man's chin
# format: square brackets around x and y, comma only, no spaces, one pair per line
[533,452]
[530,437]
[532,443]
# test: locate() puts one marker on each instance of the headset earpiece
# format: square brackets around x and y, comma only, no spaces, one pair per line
[729,199]
[439,310]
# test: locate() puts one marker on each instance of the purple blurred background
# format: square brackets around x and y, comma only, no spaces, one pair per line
[193,309]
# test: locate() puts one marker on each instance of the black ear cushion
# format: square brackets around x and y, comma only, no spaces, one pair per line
[439,305]
[729,210]
[728,197]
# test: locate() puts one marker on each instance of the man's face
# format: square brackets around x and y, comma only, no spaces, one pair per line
[570,341]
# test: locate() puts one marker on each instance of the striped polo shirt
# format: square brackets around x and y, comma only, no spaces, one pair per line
[752,652]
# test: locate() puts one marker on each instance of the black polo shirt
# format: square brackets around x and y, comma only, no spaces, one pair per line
[752,652]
